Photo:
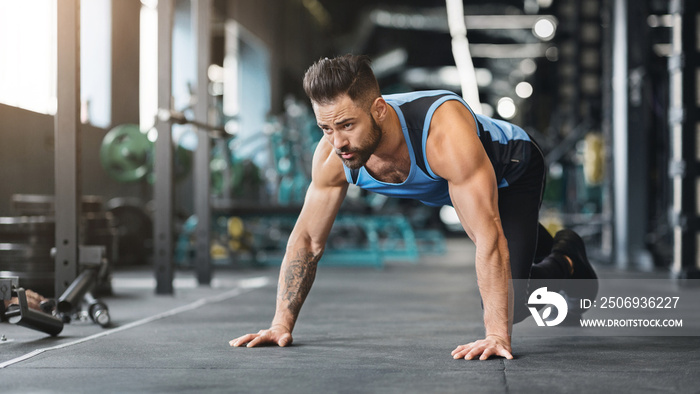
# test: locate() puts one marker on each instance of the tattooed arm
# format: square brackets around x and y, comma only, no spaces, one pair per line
[304,248]
[295,283]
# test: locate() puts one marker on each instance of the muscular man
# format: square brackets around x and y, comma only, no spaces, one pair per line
[428,146]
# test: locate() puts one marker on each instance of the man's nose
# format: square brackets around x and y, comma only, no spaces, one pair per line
[339,141]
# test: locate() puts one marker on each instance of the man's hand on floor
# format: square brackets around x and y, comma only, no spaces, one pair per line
[275,335]
[484,348]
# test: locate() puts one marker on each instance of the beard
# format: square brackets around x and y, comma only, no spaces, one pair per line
[363,152]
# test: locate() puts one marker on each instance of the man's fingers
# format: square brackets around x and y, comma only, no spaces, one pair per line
[462,347]
[505,353]
[264,337]
[460,354]
[234,342]
[498,351]
[464,351]
[488,352]
[473,353]
[481,350]
[241,340]
[255,342]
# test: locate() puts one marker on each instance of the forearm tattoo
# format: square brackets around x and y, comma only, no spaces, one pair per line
[298,278]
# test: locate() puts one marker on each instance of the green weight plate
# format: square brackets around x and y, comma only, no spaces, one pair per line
[126,153]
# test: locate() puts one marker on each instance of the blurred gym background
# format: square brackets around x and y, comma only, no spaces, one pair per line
[609,88]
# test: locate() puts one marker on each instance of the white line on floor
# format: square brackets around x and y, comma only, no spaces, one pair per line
[244,285]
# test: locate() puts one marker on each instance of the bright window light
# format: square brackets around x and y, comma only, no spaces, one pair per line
[231,105]
[28,55]
[96,62]
[148,66]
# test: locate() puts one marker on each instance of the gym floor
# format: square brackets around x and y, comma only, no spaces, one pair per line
[361,330]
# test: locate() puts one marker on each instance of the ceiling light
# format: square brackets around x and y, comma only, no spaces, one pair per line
[506,108]
[528,66]
[523,90]
[544,29]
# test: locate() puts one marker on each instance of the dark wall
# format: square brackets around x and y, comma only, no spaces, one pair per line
[27,157]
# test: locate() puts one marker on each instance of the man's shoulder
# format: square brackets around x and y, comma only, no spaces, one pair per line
[407,97]
[327,168]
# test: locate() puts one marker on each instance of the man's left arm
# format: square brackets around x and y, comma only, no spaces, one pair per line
[455,153]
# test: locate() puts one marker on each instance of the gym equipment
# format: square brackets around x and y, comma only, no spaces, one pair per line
[594,159]
[165,115]
[230,237]
[98,228]
[293,139]
[232,176]
[76,301]
[32,204]
[26,241]
[44,204]
[184,245]
[126,153]
[134,231]
[397,240]
[92,261]
[430,242]
[97,310]
[20,314]
[76,291]
[182,164]
[355,239]
[25,251]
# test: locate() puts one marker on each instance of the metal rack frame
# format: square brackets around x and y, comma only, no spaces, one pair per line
[67,144]
[164,184]
[201,11]
[684,122]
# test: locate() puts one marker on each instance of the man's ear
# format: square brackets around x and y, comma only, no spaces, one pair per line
[379,109]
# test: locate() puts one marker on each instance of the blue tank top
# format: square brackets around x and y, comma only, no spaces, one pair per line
[506,145]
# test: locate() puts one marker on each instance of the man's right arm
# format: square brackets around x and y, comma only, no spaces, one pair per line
[305,247]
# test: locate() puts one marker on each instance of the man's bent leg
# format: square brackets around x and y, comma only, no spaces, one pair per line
[519,206]
[520,229]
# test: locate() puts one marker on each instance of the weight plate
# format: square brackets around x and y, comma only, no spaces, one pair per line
[25,227]
[126,153]
[44,204]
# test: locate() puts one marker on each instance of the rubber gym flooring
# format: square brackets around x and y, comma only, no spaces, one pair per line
[362,330]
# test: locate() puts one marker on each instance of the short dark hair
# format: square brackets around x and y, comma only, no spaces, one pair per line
[327,79]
